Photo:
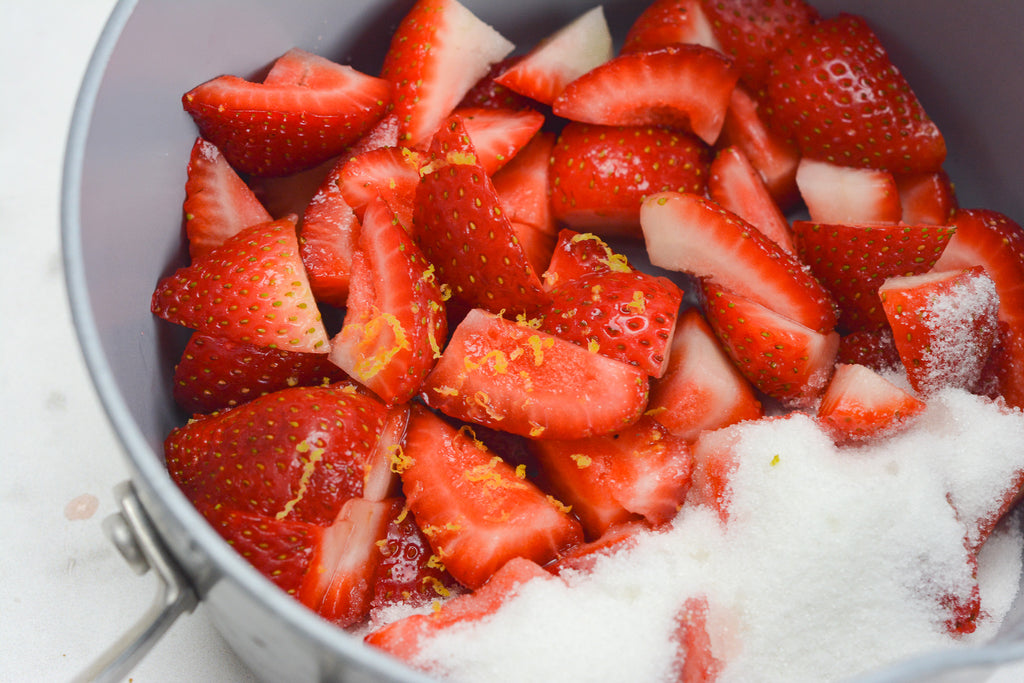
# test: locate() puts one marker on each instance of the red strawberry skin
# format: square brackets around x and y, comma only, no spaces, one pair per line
[215,373]
[601,174]
[251,289]
[297,454]
[860,404]
[327,240]
[669,22]
[286,126]
[577,255]
[474,509]
[836,93]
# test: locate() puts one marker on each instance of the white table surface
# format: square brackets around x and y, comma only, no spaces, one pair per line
[65,592]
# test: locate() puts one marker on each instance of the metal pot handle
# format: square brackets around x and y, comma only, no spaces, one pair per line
[132,532]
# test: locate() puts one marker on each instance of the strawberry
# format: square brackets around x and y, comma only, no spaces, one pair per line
[474,509]
[511,377]
[561,58]
[782,358]
[685,232]
[873,348]
[669,22]
[714,463]
[852,261]
[685,86]
[859,404]
[406,637]
[498,134]
[834,91]
[218,203]
[577,255]
[216,373]
[753,32]
[944,325]
[522,187]
[464,232]
[698,660]
[739,188]
[253,289]
[389,172]
[616,538]
[701,389]
[488,93]
[291,194]
[926,198]
[296,454]
[395,318]
[437,53]
[642,471]
[601,174]
[292,123]
[327,239]
[843,194]
[626,316]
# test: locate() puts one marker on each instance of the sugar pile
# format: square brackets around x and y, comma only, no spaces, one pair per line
[833,562]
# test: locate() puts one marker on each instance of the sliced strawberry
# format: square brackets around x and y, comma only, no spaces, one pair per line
[927,198]
[438,52]
[339,584]
[775,158]
[873,348]
[561,58]
[699,663]
[380,481]
[626,316]
[389,172]
[844,194]
[511,377]
[684,86]
[253,289]
[292,123]
[714,463]
[498,134]
[753,32]
[578,255]
[522,187]
[601,174]
[464,232]
[409,572]
[701,389]
[859,404]
[294,454]
[406,637]
[834,91]
[327,240]
[670,22]
[291,194]
[218,203]
[852,261]
[616,538]
[395,320]
[944,325]
[685,232]
[642,471]
[782,358]
[488,93]
[474,509]
[739,188]
[215,373]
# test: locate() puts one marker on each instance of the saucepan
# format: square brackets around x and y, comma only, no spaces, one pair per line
[123,186]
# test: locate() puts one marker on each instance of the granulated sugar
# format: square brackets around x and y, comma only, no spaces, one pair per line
[833,562]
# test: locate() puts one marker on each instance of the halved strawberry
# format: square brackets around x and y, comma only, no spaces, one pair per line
[626,316]
[601,174]
[487,93]
[464,232]
[578,255]
[701,389]
[438,52]
[927,197]
[782,358]
[293,122]
[670,22]
[859,404]
[294,454]
[474,509]
[498,134]
[561,58]
[753,32]
[844,194]
[253,289]
[834,91]
[218,203]
[686,232]
[853,260]
[698,661]
[215,373]
[684,86]
[641,471]
[511,377]
[522,187]
[395,319]
[738,187]
[391,173]
[327,239]
[944,324]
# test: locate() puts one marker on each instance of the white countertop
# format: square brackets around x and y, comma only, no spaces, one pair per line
[65,592]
